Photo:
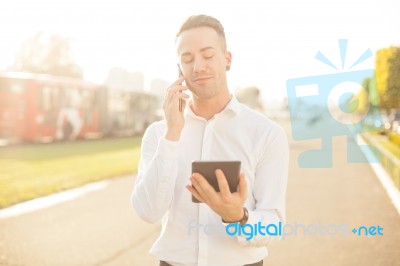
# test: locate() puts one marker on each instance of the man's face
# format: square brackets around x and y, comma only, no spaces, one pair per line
[203,61]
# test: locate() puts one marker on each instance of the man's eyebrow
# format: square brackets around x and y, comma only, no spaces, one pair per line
[201,50]
[206,48]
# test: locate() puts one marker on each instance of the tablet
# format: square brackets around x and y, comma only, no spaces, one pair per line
[207,169]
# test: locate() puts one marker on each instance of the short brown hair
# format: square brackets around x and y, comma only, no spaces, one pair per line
[204,21]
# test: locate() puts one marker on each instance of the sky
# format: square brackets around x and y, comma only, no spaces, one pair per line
[270,41]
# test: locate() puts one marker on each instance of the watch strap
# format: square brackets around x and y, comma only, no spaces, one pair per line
[242,221]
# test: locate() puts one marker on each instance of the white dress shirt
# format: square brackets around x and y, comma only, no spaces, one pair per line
[192,233]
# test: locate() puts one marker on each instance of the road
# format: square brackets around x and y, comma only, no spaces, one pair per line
[100,228]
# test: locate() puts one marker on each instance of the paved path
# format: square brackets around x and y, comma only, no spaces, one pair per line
[100,228]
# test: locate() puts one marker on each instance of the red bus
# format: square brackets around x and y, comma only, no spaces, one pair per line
[42,108]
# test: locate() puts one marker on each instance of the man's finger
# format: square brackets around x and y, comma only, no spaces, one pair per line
[172,91]
[204,188]
[195,193]
[180,95]
[184,104]
[242,187]
[222,183]
[178,81]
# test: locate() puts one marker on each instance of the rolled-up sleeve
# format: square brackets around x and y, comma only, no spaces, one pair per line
[269,188]
[157,171]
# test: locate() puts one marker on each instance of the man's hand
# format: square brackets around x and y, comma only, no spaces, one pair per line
[226,204]
[173,117]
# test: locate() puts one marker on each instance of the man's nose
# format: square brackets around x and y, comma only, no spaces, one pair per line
[199,65]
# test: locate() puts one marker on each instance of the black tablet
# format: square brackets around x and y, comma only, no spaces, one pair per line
[207,169]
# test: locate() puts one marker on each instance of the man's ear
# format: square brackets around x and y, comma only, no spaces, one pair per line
[228,59]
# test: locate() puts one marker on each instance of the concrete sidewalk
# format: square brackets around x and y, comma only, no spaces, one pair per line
[100,228]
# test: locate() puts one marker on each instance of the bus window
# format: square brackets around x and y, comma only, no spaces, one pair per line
[48,98]
[88,100]
[13,86]
[45,99]
[74,98]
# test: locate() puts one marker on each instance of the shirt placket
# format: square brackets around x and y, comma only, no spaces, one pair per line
[204,210]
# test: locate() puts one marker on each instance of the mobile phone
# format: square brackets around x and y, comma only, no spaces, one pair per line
[207,169]
[180,75]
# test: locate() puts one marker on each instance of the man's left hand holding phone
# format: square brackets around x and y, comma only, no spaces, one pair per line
[174,104]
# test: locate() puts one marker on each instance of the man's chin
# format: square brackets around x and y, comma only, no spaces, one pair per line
[203,96]
[201,87]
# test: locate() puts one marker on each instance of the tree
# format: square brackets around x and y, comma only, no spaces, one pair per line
[388,77]
[362,98]
[367,98]
[251,97]
[46,54]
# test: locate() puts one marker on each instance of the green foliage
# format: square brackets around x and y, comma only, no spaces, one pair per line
[372,89]
[250,96]
[43,54]
[368,94]
[388,77]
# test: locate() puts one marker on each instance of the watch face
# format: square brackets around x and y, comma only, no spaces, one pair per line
[245,216]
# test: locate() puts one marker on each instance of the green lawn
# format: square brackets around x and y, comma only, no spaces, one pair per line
[33,170]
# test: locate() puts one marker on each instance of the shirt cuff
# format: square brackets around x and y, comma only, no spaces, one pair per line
[250,232]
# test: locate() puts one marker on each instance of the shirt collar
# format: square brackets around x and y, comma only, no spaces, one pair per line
[233,105]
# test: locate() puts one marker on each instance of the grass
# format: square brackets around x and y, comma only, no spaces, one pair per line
[34,170]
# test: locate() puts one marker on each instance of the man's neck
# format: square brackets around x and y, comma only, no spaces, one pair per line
[207,108]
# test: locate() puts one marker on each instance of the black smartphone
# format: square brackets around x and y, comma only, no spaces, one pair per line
[207,169]
[180,75]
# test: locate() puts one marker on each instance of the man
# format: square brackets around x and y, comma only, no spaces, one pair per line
[212,126]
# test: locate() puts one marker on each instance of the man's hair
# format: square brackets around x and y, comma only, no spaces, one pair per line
[204,21]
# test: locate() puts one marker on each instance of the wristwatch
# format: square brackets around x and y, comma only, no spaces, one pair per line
[242,221]
[245,217]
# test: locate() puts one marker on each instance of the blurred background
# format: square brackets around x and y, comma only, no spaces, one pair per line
[80,81]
